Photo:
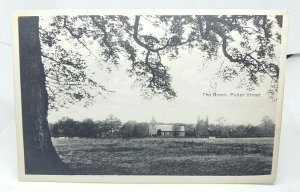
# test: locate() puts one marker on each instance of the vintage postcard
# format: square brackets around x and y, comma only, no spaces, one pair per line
[149,96]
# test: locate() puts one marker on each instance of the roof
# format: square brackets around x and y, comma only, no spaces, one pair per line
[165,127]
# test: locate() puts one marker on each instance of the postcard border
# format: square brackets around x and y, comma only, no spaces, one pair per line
[141,178]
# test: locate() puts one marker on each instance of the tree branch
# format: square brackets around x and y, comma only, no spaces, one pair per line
[61,61]
[105,36]
[77,37]
[170,42]
[242,60]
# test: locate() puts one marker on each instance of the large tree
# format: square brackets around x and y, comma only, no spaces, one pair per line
[39,153]
[67,44]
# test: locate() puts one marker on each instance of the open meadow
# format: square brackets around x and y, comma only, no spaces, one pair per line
[167,156]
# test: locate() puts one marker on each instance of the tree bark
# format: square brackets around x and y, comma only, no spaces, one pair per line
[39,152]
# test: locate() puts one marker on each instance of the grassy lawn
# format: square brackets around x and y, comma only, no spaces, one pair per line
[167,156]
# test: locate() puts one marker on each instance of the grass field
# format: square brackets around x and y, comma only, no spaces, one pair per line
[167,156]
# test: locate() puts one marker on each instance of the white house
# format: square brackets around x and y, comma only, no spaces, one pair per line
[165,130]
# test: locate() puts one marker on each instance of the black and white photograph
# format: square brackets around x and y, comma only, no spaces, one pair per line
[150,93]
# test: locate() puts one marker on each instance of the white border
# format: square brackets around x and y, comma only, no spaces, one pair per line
[146,179]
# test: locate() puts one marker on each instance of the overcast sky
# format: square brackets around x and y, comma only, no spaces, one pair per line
[191,77]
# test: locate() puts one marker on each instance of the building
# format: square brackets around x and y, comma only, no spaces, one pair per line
[152,127]
[165,130]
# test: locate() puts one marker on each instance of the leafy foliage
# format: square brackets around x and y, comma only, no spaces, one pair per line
[134,129]
[202,128]
[248,42]
[66,127]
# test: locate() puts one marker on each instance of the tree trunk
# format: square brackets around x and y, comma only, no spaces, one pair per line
[40,155]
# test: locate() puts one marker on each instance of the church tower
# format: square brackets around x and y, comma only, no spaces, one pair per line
[152,127]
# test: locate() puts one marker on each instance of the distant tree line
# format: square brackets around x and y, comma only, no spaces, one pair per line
[205,129]
[134,129]
[67,127]
[112,127]
[109,127]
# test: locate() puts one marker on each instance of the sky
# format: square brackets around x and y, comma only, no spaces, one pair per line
[192,78]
